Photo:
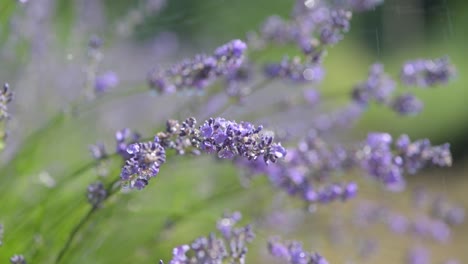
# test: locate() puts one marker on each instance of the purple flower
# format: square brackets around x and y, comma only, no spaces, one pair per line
[227,138]
[211,249]
[96,194]
[418,255]
[105,82]
[17,259]
[143,164]
[378,86]
[292,252]
[294,70]
[407,104]
[98,151]
[124,138]
[427,73]
[201,71]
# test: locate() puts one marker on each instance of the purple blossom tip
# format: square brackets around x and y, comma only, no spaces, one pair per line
[105,82]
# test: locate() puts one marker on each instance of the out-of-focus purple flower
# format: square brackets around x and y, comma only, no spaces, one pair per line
[312,96]
[447,212]
[427,73]
[96,194]
[179,254]
[418,255]
[201,71]
[407,104]
[105,82]
[98,151]
[378,86]
[378,161]
[293,253]
[398,223]
[124,138]
[17,259]
[294,70]
[420,153]
[226,224]
[211,249]
[427,228]
[237,81]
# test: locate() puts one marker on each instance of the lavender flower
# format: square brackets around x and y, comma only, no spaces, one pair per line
[293,253]
[447,212]
[105,82]
[416,155]
[295,71]
[378,86]
[144,163]
[407,104]
[418,255]
[225,138]
[427,73]
[230,248]
[96,194]
[98,151]
[237,81]
[200,71]
[124,138]
[17,259]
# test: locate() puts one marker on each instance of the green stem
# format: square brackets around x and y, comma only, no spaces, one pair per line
[73,233]
[111,191]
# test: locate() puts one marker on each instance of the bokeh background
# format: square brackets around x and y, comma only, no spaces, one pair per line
[43,50]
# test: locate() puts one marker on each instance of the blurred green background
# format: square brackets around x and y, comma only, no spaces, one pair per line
[186,199]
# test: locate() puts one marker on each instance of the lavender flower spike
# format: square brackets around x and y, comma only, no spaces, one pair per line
[144,163]
[427,73]
[226,138]
[293,253]
[201,71]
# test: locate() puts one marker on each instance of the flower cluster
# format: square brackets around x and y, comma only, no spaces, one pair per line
[293,253]
[227,139]
[200,71]
[96,194]
[144,163]
[427,73]
[307,170]
[379,160]
[421,225]
[294,70]
[230,248]
[105,82]
[17,259]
